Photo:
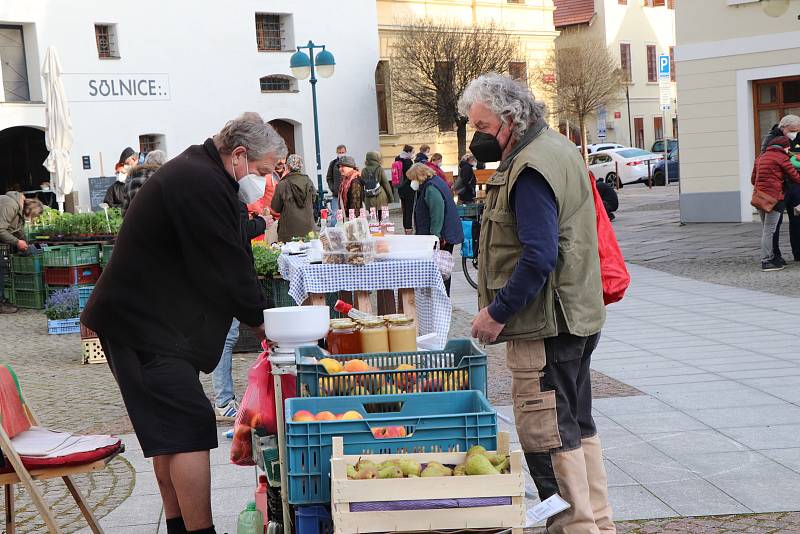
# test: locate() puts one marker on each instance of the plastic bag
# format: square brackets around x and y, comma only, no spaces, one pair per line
[613,272]
[257,409]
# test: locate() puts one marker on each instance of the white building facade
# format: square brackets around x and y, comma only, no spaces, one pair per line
[168,75]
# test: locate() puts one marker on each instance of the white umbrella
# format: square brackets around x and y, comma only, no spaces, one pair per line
[58,136]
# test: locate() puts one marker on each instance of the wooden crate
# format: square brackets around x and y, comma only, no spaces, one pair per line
[92,351]
[344,492]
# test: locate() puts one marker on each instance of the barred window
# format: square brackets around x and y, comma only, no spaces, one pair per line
[150,142]
[270,32]
[277,83]
[106,38]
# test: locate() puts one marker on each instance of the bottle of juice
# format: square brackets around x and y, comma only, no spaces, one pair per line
[250,520]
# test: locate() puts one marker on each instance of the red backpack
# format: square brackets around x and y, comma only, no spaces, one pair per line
[397,172]
[614,274]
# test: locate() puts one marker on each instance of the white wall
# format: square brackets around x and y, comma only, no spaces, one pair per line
[210,55]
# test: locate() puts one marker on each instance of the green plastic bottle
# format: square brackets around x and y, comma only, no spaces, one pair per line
[251,521]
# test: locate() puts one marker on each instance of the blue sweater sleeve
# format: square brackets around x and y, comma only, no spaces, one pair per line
[538,233]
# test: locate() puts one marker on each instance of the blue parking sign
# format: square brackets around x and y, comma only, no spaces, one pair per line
[663,66]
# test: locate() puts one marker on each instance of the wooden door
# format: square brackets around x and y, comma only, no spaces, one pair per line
[285,130]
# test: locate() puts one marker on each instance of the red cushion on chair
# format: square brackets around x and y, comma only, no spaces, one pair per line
[32,462]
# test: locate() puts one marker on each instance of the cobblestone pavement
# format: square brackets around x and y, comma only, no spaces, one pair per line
[650,233]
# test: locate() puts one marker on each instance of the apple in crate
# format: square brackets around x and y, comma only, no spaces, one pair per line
[351,415]
[303,416]
[325,416]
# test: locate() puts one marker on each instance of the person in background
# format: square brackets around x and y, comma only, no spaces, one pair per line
[540,290]
[294,201]
[466,182]
[334,178]
[789,126]
[377,189]
[15,209]
[422,155]
[115,195]
[351,191]
[435,212]
[166,300]
[263,205]
[225,405]
[435,163]
[609,198]
[139,174]
[770,172]
[793,206]
[407,194]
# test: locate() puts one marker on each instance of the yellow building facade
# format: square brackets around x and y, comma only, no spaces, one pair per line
[531,21]
[738,74]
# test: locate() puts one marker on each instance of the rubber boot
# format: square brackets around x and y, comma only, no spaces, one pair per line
[598,484]
[569,469]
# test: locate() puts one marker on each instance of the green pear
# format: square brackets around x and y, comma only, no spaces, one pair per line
[478,464]
[367,473]
[504,466]
[496,458]
[351,472]
[460,470]
[365,463]
[409,467]
[390,471]
[435,469]
[476,449]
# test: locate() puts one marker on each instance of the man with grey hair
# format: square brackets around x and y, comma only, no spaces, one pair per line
[155,157]
[789,126]
[539,290]
[162,308]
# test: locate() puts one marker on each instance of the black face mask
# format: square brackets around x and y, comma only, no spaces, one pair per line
[486,148]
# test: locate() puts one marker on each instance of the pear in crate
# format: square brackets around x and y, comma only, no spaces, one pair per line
[331,365]
[409,467]
[390,471]
[351,472]
[478,464]
[460,470]
[476,449]
[435,469]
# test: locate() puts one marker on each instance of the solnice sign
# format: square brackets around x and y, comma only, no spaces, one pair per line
[116,87]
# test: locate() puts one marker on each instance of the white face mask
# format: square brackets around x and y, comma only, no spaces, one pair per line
[251,186]
[415,185]
[121,177]
[791,135]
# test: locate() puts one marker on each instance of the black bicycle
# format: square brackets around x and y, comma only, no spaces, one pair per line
[470,215]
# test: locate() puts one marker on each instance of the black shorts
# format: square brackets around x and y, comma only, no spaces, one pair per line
[168,408]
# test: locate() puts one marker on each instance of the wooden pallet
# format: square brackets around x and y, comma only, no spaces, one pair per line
[344,492]
[93,351]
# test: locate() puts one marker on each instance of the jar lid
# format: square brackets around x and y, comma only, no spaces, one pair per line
[401,320]
[342,324]
[373,322]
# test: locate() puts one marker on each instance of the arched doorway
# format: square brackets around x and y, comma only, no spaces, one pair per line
[22,152]
[286,130]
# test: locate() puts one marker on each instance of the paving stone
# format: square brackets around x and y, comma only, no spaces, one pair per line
[748,416]
[787,457]
[766,436]
[636,501]
[696,497]
[680,443]
[630,405]
[649,423]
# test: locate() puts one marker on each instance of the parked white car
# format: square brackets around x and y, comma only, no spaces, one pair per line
[600,147]
[631,163]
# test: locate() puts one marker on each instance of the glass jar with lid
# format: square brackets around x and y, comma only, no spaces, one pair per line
[374,336]
[343,337]
[402,334]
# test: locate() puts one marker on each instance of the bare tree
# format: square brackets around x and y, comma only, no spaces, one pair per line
[581,77]
[434,61]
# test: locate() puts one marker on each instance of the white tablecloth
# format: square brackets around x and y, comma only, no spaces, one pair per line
[434,308]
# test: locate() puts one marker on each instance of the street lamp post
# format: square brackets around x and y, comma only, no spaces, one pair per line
[304,65]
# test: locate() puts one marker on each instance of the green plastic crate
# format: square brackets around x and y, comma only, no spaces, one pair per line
[29,299]
[28,282]
[27,264]
[10,297]
[71,256]
[105,254]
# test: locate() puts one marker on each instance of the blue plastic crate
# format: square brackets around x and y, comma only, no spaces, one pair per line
[434,422]
[461,365]
[64,326]
[467,250]
[313,519]
[84,292]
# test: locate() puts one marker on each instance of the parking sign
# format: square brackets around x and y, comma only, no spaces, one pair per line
[663,66]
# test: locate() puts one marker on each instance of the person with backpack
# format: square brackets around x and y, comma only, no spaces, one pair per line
[377,191]
[422,155]
[402,163]
[769,175]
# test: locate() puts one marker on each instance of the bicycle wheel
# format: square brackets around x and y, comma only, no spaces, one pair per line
[470,266]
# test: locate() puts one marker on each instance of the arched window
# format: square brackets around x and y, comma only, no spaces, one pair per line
[278,83]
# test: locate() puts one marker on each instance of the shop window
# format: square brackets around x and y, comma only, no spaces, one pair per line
[273,32]
[107,43]
[150,142]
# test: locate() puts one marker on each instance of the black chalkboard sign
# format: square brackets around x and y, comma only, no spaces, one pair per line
[97,189]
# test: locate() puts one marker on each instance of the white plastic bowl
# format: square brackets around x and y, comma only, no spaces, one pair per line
[296,325]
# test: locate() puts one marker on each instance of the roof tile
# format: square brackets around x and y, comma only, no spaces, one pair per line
[570,12]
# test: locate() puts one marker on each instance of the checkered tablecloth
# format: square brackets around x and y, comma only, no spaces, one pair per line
[434,308]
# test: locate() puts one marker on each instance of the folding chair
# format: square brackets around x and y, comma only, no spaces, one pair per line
[16,417]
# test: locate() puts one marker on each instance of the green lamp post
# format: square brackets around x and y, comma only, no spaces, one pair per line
[304,65]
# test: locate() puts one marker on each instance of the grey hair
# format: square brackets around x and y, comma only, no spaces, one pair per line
[508,98]
[155,157]
[468,157]
[420,172]
[251,132]
[789,121]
